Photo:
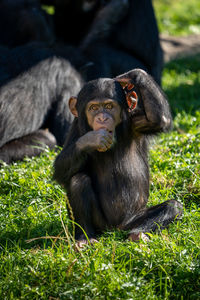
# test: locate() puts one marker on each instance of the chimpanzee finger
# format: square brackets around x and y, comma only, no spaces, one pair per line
[105,145]
[109,139]
[102,149]
[106,137]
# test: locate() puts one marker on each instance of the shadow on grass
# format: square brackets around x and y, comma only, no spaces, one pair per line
[45,234]
[181,65]
[192,198]
[186,284]
[185,96]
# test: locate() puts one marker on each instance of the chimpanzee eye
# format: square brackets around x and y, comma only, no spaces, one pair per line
[108,106]
[94,107]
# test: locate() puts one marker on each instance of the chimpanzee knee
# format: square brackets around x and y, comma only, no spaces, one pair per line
[174,208]
[156,217]
[166,213]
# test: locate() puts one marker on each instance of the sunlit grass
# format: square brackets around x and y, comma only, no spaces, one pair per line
[178,17]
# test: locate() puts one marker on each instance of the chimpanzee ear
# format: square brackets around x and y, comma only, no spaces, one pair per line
[72,106]
[131,98]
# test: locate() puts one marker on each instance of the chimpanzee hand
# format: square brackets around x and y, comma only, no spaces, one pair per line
[100,140]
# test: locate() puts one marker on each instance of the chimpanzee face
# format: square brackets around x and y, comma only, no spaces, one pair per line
[103,114]
[101,104]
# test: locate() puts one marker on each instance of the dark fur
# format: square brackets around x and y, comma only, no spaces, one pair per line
[29,145]
[111,189]
[35,85]
[23,21]
[19,60]
[117,35]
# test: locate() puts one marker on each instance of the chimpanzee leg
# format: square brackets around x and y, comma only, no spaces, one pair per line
[29,145]
[86,210]
[159,216]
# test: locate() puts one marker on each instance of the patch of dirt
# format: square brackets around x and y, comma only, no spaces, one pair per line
[177,47]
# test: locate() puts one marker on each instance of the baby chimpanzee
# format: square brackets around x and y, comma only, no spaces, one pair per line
[104,163]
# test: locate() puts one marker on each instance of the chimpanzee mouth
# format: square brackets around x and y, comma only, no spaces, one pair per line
[110,131]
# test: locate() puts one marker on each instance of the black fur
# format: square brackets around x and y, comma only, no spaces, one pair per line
[110,189]
[117,35]
[29,145]
[35,85]
[23,21]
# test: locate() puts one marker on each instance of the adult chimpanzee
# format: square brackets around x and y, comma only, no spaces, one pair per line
[22,21]
[117,35]
[33,98]
[104,163]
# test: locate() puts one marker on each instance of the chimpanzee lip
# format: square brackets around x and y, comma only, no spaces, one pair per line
[105,128]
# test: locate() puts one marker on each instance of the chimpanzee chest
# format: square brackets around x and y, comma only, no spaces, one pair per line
[121,188]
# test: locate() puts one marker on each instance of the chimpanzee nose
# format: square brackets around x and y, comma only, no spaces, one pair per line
[102,118]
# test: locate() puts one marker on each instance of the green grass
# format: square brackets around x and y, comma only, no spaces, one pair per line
[37,255]
[178,17]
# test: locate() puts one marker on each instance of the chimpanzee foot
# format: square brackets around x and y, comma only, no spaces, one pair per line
[136,237]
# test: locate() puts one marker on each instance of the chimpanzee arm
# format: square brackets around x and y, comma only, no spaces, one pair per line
[153,113]
[74,155]
[105,20]
[70,160]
